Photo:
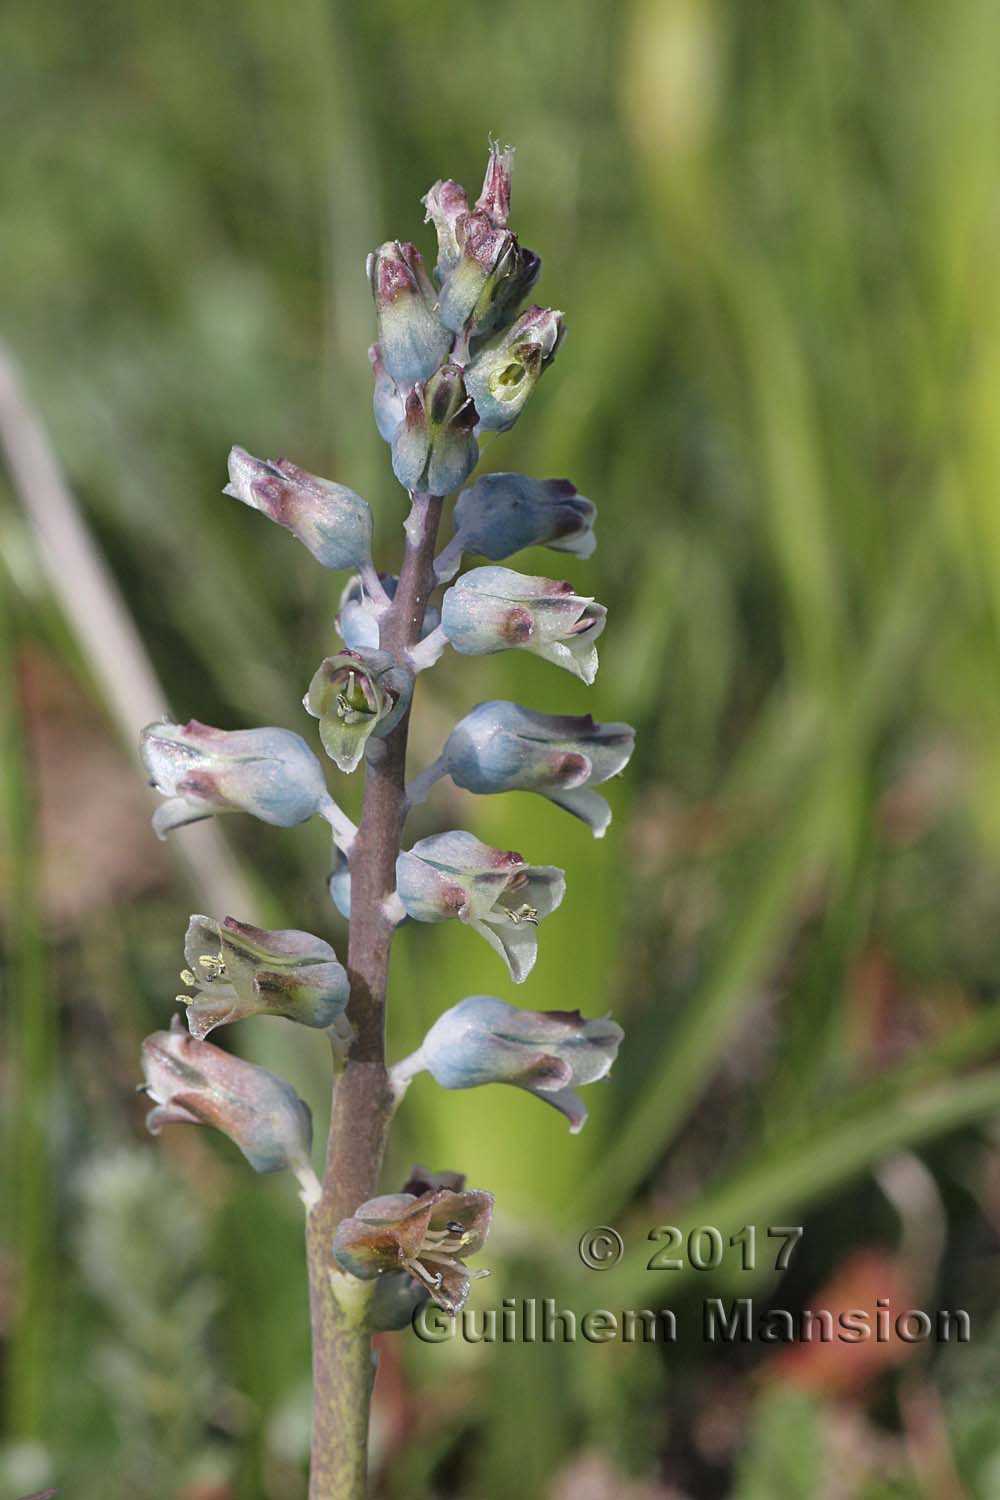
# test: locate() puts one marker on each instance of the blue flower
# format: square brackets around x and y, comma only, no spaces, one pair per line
[237,970]
[502,513]
[549,1053]
[331,520]
[494,891]
[496,609]
[270,773]
[411,336]
[501,747]
[504,373]
[354,695]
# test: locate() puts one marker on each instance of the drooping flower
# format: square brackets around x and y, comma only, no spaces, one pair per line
[496,609]
[270,773]
[502,513]
[430,1237]
[412,339]
[502,747]
[354,695]
[238,970]
[358,618]
[397,1293]
[193,1082]
[434,447]
[549,1053]
[505,372]
[331,520]
[494,891]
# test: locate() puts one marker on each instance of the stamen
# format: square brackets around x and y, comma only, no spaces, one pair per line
[215,966]
[432,1281]
[187,977]
[527,914]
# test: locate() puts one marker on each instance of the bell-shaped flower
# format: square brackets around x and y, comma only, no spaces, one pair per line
[494,891]
[196,1083]
[434,447]
[549,1053]
[495,609]
[502,513]
[505,372]
[331,520]
[397,1293]
[358,619]
[411,336]
[387,400]
[354,695]
[429,1237]
[237,970]
[270,773]
[501,747]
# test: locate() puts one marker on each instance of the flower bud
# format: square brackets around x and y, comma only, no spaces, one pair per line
[501,747]
[270,773]
[388,398]
[411,336]
[495,609]
[197,1083]
[495,196]
[331,520]
[358,621]
[490,279]
[447,207]
[434,448]
[238,971]
[354,695]
[502,513]
[504,373]
[494,891]
[549,1053]
[429,1237]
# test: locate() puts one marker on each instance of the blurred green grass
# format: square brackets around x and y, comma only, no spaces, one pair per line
[774,235]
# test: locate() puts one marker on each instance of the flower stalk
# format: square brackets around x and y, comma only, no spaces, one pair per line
[450,362]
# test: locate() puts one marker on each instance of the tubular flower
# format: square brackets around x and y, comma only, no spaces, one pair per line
[430,1237]
[501,747]
[196,1083]
[495,609]
[549,1053]
[504,373]
[238,970]
[502,513]
[270,773]
[331,520]
[434,447]
[494,891]
[354,695]
[412,339]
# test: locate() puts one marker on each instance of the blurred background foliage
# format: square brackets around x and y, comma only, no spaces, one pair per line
[774,231]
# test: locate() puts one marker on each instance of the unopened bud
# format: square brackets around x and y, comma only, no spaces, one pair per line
[412,338]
